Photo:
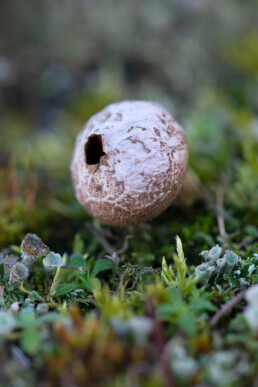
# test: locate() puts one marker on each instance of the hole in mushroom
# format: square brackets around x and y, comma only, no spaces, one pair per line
[94,149]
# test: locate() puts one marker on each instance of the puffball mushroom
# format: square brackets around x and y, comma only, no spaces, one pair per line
[129,163]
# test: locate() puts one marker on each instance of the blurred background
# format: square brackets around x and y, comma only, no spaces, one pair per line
[63,60]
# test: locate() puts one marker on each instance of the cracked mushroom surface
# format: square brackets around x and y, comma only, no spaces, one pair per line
[129,163]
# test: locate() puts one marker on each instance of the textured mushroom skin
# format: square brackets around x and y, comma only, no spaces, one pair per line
[143,168]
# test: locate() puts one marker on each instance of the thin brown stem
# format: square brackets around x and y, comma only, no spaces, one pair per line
[246,240]
[105,244]
[227,308]
[124,248]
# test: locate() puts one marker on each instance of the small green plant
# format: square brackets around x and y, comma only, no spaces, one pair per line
[180,279]
[82,275]
[78,275]
[32,249]
[51,262]
[226,267]
[9,262]
[18,273]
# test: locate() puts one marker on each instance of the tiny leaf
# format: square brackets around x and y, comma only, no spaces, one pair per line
[77,260]
[101,265]
[93,284]
[66,288]
[30,341]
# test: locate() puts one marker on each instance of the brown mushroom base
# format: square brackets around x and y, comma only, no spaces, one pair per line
[136,212]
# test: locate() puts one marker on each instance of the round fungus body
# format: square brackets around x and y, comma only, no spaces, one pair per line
[129,163]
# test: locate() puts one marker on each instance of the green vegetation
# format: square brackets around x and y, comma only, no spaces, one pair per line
[60,315]
[168,303]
